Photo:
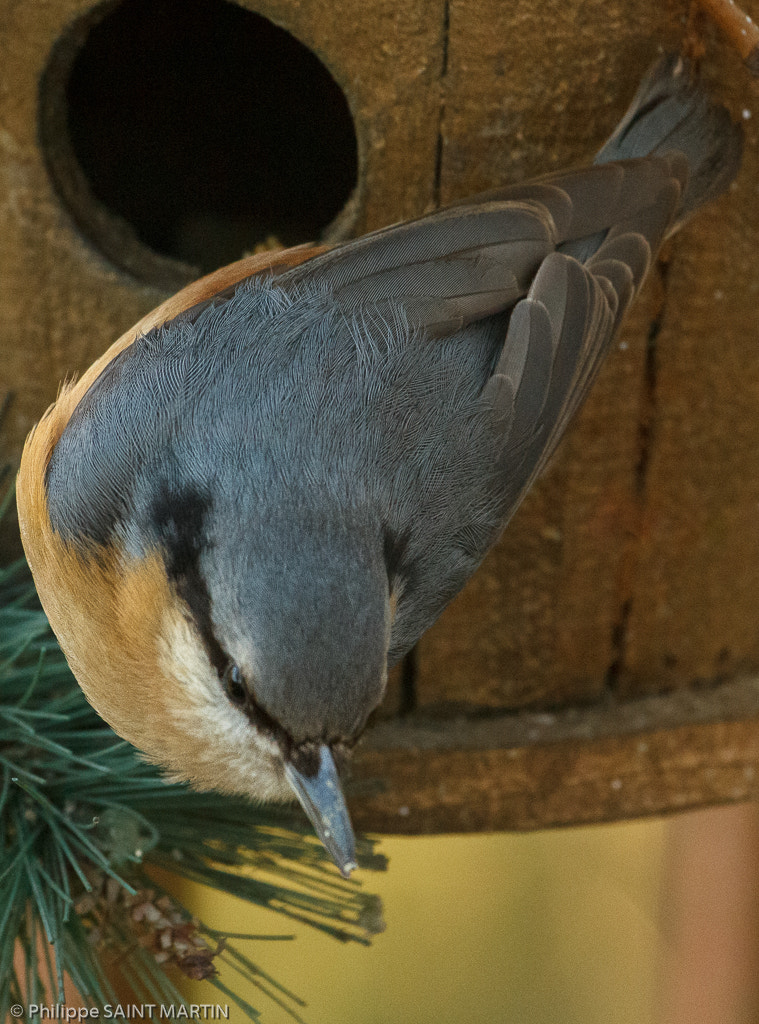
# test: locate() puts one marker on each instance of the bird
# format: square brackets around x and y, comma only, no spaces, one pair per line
[260,497]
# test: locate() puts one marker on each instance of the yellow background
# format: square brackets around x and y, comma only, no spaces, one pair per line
[541,928]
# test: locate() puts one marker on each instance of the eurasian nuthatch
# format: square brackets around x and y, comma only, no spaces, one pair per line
[263,494]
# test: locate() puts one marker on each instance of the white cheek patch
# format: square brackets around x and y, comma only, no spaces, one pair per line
[236,755]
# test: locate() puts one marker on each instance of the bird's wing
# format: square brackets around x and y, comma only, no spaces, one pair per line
[555,343]
[559,333]
[595,197]
[467,262]
[445,270]
[566,253]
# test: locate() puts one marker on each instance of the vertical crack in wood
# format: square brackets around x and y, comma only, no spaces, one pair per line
[408,700]
[618,646]
[646,424]
[645,444]
[438,174]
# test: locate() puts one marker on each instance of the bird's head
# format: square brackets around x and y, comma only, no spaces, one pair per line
[240,649]
[285,632]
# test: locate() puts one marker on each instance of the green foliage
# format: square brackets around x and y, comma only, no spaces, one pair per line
[82,818]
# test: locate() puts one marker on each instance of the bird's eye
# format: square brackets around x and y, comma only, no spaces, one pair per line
[234,685]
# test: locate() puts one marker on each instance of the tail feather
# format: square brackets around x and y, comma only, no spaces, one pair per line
[671,112]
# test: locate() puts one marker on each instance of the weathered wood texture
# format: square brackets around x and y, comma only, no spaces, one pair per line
[631,573]
[574,766]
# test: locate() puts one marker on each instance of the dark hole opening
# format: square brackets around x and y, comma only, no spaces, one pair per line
[204,127]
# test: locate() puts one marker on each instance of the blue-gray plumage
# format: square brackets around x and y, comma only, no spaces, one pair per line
[323,457]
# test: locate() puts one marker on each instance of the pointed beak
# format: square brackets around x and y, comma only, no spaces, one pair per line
[322,799]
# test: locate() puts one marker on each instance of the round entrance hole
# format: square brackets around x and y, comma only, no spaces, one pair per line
[182,134]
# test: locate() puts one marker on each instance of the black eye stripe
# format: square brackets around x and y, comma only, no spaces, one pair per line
[180,518]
